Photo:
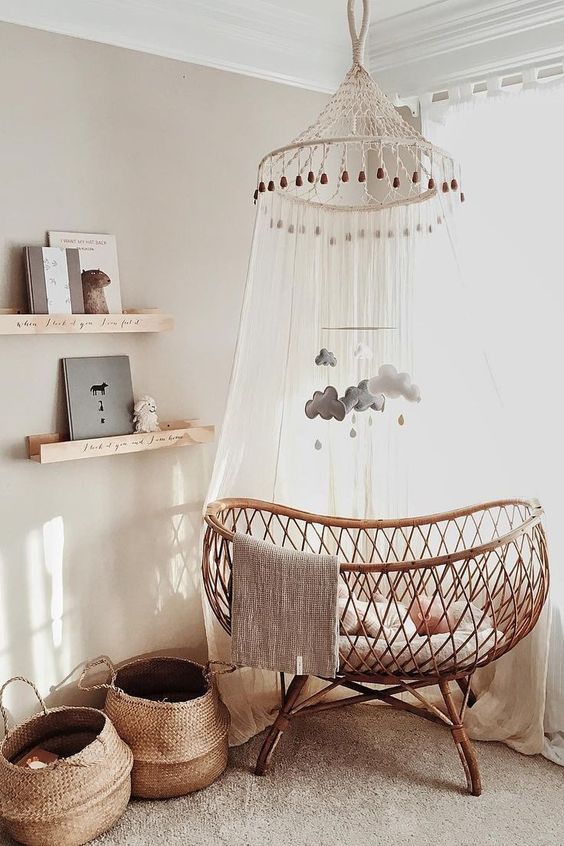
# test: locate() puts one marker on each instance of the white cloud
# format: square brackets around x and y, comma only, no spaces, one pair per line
[393,384]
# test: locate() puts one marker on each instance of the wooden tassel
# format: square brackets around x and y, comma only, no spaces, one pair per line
[318,230]
[280,224]
[415,177]
[377,233]
[291,229]
[380,173]
[332,241]
[345,176]
[283,182]
[396,182]
[431,184]
[299,180]
[324,179]
[348,237]
[454,184]
[462,197]
[262,187]
[406,232]
[255,195]
[446,187]
[271,185]
[362,176]
[311,177]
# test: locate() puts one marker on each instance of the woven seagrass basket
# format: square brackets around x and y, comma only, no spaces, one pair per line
[180,744]
[75,798]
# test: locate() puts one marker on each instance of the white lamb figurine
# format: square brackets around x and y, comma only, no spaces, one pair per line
[145,417]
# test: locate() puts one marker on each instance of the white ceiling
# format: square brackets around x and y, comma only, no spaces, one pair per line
[414,45]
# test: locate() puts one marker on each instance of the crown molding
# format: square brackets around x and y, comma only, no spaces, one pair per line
[432,44]
[269,42]
[445,44]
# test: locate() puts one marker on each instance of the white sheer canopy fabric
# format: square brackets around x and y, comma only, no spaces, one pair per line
[319,277]
[511,255]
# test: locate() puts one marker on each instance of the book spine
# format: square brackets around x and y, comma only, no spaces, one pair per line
[67,397]
[75,281]
[38,284]
[27,268]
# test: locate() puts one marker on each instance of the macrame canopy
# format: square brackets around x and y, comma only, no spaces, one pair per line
[360,153]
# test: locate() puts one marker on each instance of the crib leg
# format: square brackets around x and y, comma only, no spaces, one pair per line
[465,685]
[463,745]
[281,723]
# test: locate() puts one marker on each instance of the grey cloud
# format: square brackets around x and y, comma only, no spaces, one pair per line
[359,398]
[326,405]
[326,358]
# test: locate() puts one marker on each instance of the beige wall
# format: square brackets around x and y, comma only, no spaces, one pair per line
[101,555]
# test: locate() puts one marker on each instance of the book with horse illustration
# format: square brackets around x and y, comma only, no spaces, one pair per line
[99,396]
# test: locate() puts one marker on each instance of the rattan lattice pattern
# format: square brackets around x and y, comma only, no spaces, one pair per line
[490,560]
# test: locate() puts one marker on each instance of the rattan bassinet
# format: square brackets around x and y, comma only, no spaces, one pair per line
[484,568]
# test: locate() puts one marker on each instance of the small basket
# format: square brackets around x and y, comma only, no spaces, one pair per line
[178,746]
[77,797]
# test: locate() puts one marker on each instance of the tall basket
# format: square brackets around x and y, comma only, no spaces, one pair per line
[169,713]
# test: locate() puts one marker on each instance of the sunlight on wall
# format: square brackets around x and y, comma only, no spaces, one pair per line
[53,546]
[34,627]
[44,628]
[178,557]
[178,487]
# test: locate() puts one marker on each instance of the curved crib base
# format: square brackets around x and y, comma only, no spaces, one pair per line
[452,716]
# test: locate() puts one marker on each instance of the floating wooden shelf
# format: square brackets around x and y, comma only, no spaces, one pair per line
[46,449]
[84,324]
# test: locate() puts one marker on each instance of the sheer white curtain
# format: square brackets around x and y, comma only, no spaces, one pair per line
[510,246]
[318,278]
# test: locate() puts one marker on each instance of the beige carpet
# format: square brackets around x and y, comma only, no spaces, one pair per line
[360,777]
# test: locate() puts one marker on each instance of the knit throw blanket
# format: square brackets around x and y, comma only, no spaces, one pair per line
[284,609]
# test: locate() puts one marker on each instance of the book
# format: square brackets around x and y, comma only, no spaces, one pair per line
[37,758]
[54,280]
[99,396]
[99,269]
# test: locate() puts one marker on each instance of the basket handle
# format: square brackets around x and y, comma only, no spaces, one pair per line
[227,668]
[3,709]
[102,660]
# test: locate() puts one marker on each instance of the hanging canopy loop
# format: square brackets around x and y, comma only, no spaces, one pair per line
[358,38]
[360,152]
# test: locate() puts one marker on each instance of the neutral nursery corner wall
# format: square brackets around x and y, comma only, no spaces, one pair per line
[101,556]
